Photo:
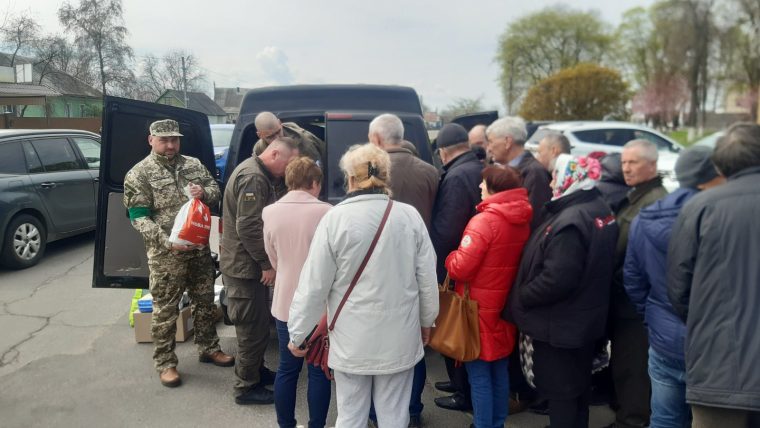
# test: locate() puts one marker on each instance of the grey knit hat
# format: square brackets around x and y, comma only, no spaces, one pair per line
[694,166]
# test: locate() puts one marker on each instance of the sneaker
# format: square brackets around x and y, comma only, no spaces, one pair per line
[256,395]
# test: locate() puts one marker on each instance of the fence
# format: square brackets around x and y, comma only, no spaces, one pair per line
[92,124]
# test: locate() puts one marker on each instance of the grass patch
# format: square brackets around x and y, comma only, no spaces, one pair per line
[681,136]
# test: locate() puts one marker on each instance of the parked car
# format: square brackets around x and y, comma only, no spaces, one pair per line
[48,188]
[221,135]
[609,137]
[337,114]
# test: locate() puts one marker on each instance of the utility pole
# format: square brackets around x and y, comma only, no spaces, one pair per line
[184,79]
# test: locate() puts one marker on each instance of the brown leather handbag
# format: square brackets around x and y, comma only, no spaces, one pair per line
[318,344]
[457,332]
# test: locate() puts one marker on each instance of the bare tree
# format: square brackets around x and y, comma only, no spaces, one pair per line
[98,26]
[462,106]
[19,33]
[158,75]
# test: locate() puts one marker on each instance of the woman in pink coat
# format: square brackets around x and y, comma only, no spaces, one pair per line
[289,226]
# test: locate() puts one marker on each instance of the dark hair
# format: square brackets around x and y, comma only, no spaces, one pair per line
[501,178]
[301,173]
[737,150]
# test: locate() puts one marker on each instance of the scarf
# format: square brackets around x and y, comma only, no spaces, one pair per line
[572,174]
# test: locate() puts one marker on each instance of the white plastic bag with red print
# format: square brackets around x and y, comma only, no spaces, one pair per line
[192,225]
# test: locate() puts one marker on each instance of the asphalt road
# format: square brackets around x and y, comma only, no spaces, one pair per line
[68,359]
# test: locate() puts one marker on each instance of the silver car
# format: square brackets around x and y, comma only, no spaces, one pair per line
[608,137]
[48,188]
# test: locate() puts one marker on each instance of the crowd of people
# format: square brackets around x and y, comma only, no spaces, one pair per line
[574,261]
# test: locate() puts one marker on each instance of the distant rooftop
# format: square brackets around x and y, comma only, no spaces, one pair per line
[197,101]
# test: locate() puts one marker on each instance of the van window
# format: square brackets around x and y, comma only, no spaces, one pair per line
[56,154]
[341,134]
[12,158]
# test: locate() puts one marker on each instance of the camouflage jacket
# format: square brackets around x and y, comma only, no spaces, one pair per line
[310,144]
[154,194]
[249,189]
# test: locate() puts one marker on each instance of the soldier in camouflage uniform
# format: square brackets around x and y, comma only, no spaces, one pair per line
[154,194]
[246,270]
[269,127]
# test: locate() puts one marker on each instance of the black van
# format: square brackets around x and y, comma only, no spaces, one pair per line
[338,114]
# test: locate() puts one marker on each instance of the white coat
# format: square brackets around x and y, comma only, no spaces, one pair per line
[378,330]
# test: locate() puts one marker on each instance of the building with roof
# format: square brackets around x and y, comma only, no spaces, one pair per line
[196,101]
[230,99]
[31,95]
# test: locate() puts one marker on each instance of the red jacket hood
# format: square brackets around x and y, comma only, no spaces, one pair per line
[511,204]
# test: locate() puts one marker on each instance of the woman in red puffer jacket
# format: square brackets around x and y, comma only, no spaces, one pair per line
[488,258]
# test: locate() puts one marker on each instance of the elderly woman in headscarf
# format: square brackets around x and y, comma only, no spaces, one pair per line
[385,322]
[561,295]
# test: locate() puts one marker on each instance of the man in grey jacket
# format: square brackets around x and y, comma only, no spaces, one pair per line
[713,277]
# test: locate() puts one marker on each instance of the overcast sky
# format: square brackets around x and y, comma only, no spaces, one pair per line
[444,49]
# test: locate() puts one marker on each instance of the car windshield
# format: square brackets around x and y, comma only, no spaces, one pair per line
[221,137]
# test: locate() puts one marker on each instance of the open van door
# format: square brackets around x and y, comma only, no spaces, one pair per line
[120,256]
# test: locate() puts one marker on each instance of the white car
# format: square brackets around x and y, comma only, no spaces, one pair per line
[609,137]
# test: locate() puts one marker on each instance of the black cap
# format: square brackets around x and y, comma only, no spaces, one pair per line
[452,134]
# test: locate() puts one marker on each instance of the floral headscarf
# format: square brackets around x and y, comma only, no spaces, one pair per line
[574,173]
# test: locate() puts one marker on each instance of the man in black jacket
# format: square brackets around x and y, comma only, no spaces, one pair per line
[713,277]
[458,194]
[506,145]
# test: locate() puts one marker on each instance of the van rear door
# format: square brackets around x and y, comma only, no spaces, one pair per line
[120,257]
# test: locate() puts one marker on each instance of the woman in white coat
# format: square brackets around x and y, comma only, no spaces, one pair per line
[383,326]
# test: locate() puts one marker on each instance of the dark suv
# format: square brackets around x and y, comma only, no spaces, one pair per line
[338,114]
[48,188]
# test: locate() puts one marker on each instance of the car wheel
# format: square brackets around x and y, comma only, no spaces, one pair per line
[24,242]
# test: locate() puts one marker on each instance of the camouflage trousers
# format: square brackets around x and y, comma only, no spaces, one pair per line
[170,276]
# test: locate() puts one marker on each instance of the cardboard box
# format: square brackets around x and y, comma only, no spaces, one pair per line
[184,326]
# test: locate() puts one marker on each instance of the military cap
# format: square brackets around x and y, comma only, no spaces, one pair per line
[165,128]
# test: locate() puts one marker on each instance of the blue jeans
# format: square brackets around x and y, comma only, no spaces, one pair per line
[286,382]
[489,386]
[669,408]
[418,384]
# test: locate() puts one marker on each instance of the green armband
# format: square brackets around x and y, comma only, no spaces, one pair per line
[137,212]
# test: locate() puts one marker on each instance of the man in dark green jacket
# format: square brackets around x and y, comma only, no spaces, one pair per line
[628,334]
[254,184]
